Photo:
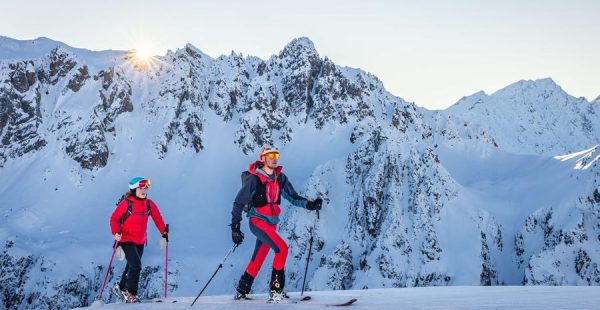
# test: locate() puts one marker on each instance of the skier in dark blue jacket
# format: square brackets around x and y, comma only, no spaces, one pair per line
[262,187]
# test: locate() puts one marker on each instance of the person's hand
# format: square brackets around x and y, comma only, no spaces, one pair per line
[118,237]
[162,243]
[314,204]
[236,234]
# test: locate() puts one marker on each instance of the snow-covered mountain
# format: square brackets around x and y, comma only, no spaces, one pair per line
[412,197]
[533,117]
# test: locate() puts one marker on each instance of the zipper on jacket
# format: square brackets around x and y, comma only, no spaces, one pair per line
[269,199]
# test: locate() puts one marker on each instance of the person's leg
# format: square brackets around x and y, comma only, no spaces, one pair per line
[140,249]
[123,282]
[281,256]
[278,274]
[134,263]
[268,235]
[258,257]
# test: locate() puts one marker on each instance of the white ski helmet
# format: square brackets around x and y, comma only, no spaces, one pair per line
[267,150]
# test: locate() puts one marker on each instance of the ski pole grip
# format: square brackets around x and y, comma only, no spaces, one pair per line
[166,233]
[117,242]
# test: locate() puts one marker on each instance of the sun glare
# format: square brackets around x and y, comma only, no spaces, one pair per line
[142,53]
[142,58]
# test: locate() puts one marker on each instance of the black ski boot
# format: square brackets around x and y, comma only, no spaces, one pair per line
[244,287]
[276,293]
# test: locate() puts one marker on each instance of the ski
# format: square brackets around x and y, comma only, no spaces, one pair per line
[307,297]
[300,299]
[296,300]
[344,304]
[289,300]
[146,301]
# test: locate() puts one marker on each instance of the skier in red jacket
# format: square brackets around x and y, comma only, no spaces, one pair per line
[128,225]
[263,186]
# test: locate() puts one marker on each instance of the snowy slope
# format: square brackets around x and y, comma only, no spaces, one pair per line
[457,297]
[412,197]
[19,50]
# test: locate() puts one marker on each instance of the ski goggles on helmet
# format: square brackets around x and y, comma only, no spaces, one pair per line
[270,152]
[145,183]
[139,182]
[272,155]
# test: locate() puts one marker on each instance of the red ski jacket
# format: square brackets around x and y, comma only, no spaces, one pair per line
[264,193]
[134,227]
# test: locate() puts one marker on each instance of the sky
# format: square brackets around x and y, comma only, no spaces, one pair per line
[428,52]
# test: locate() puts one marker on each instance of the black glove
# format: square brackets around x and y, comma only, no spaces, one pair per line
[314,204]
[236,234]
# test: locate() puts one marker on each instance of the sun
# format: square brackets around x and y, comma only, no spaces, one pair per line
[142,53]
[142,58]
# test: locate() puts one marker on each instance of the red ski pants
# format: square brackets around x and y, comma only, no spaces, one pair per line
[266,238]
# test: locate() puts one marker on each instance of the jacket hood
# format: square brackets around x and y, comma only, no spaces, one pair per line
[258,164]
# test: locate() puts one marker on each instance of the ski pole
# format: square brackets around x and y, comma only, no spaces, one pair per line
[108,269]
[220,266]
[166,236]
[310,243]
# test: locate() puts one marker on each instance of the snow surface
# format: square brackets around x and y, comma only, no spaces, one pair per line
[456,297]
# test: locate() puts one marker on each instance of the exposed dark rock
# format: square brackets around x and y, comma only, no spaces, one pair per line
[61,63]
[89,148]
[20,119]
[79,79]
[23,75]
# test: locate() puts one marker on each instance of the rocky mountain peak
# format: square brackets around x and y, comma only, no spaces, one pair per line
[192,51]
[531,89]
[300,48]
[468,102]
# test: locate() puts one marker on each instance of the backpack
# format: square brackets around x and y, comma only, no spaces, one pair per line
[130,208]
[245,176]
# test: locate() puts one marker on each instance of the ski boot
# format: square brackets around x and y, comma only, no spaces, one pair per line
[276,293]
[131,299]
[241,296]
[244,286]
[121,295]
[275,297]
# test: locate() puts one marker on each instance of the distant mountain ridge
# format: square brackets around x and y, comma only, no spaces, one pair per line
[534,117]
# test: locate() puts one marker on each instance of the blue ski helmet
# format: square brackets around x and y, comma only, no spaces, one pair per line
[139,182]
